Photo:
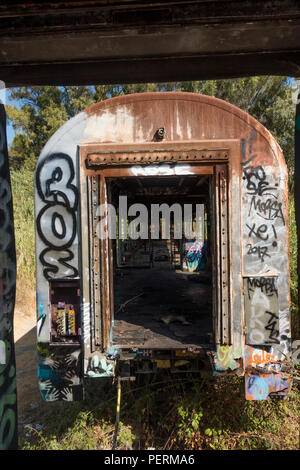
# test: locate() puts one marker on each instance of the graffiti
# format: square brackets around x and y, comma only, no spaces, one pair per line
[56,220]
[261,311]
[59,373]
[260,251]
[100,366]
[8,401]
[8,395]
[226,358]
[267,386]
[41,319]
[258,357]
[264,234]
[256,181]
[59,369]
[194,255]
[269,209]
[260,232]
[264,213]
[266,285]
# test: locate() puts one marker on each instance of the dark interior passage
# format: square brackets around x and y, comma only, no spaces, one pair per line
[163,287]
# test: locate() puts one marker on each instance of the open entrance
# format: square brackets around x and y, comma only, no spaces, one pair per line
[160,280]
[162,261]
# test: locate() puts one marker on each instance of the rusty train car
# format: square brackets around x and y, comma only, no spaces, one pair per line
[215,303]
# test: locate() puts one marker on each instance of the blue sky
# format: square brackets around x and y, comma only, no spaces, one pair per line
[4,98]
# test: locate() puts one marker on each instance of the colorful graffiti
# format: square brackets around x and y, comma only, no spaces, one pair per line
[8,391]
[267,386]
[194,255]
[59,372]
[227,359]
[254,357]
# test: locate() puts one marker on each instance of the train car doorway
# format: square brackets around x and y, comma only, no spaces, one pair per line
[157,275]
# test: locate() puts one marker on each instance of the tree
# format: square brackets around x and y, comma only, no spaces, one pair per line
[268,99]
[43,110]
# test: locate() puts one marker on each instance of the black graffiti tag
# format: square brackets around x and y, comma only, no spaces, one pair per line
[256,181]
[54,183]
[260,251]
[270,209]
[259,232]
[267,285]
[271,327]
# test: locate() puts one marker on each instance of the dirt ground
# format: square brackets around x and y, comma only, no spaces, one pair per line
[167,308]
[30,403]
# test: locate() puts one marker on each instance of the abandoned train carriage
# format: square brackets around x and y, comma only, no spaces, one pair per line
[215,301]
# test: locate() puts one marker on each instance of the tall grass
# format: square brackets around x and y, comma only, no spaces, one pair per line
[22,188]
[294,272]
[168,411]
[23,202]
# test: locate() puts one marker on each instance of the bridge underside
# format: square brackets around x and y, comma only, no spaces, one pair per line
[108,41]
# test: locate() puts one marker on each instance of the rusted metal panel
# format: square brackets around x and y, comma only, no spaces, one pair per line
[93,191]
[144,157]
[106,270]
[222,285]
[223,289]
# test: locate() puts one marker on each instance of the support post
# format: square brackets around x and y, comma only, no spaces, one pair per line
[8,387]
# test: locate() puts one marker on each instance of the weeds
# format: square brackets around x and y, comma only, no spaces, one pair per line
[189,413]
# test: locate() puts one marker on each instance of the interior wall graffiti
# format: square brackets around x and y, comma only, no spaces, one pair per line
[194,255]
[8,390]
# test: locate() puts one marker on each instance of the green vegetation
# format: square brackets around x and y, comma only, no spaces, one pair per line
[164,412]
[42,110]
[22,188]
[170,412]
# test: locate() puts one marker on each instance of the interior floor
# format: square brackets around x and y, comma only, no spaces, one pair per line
[162,308]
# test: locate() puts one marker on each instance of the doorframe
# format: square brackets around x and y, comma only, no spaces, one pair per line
[155,159]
